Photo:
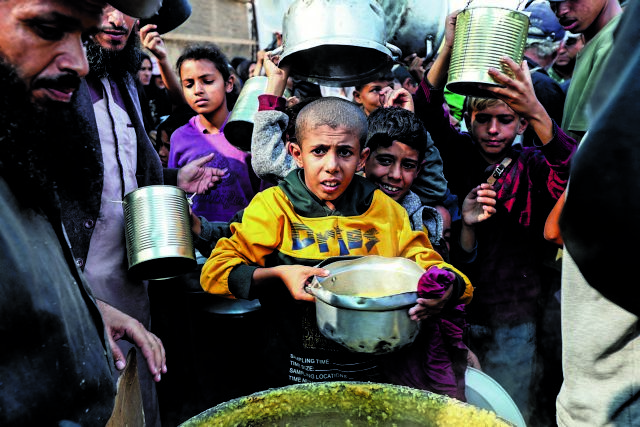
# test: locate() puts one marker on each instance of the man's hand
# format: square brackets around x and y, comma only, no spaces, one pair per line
[195,177]
[122,326]
[152,41]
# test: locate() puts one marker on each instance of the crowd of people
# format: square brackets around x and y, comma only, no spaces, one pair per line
[475,190]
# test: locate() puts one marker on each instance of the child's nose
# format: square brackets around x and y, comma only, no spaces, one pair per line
[331,162]
[395,171]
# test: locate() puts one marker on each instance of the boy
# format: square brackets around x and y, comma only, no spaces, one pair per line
[508,272]
[321,210]
[369,96]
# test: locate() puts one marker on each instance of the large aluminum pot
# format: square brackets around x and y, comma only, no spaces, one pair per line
[345,404]
[416,26]
[335,42]
[363,304]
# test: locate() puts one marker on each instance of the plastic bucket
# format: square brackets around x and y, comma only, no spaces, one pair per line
[158,232]
[483,36]
[239,127]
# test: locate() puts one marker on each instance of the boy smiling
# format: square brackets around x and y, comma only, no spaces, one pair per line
[319,211]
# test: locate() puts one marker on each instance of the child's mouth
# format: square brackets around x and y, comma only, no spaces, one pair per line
[330,186]
[388,188]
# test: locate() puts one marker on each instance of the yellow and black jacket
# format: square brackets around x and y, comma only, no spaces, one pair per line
[288,225]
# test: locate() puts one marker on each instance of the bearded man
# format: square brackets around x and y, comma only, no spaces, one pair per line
[126,160]
[123,160]
[56,366]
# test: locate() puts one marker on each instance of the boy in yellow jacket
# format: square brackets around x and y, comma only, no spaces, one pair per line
[319,211]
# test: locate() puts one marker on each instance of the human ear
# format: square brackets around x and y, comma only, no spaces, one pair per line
[296,152]
[356,97]
[522,126]
[364,155]
[230,83]
[467,120]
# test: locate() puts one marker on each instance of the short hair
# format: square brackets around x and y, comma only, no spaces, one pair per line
[390,124]
[334,112]
[386,75]
[472,104]
[208,51]
[401,73]
[543,48]
[292,114]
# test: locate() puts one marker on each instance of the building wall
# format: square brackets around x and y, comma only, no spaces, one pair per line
[227,23]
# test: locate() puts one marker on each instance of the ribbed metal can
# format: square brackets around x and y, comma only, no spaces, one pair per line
[158,232]
[483,36]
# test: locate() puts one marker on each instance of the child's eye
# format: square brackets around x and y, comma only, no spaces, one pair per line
[506,120]
[482,119]
[344,152]
[410,166]
[208,82]
[319,151]
[383,161]
[187,85]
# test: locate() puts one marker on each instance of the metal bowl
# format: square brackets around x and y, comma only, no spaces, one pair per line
[363,304]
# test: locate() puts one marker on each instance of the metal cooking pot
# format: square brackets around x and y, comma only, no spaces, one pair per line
[416,26]
[335,42]
[363,303]
[345,403]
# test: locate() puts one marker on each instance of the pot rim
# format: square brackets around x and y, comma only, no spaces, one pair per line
[362,303]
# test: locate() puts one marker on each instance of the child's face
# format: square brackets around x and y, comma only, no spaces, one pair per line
[369,95]
[393,169]
[164,147]
[330,158]
[495,128]
[203,86]
[144,73]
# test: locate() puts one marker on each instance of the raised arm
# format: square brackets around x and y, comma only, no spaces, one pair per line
[270,158]
[152,41]
[519,94]
[437,75]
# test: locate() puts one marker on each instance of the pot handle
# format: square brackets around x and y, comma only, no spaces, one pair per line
[276,51]
[428,41]
[312,287]
[395,51]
